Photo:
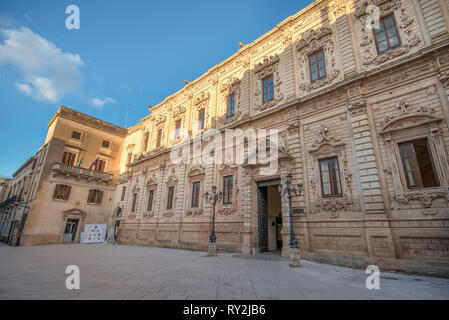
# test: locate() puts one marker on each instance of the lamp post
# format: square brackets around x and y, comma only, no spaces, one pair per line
[213,197]
[287,190]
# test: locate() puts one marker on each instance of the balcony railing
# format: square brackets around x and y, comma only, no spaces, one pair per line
[81,172]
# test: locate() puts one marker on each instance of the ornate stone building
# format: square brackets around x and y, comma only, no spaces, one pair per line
[362,116]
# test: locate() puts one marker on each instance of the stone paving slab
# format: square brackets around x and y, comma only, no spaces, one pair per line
[133,272]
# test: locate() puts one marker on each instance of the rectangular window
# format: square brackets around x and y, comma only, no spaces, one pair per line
[159,138]
[317,66]
[106,144]
[330,177]
[95,196]
[69,158]
[101,165]
[76,135]
[387,35]
[230,106]
[195,195]
[418,164]
[150,200]
[177,129]
[227,189]
[62,192]
[123,193]
[201,118]
[130,158]
[268,89]
[171,191]
[134,204]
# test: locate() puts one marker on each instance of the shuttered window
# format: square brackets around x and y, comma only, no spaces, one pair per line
[95,196]
[62,192]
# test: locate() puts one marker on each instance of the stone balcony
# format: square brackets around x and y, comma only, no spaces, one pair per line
[81,172]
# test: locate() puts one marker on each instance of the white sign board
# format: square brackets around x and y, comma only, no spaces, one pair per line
[93,233]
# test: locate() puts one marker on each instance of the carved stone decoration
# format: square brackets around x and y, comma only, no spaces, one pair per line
[425,197]
[269,66]
[124,178]
[444,78]
[230,87]
[310,43]
[324,147]
[357,107]
[152,180]
[178,111]
[194,212]
[292,127]
[172,178]
[226,211]
[334,206]
[159,119]
[202,97]
[405,118]
[136,188]
[408,39]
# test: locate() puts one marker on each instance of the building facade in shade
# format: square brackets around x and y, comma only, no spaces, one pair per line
[362,119]
[68,183]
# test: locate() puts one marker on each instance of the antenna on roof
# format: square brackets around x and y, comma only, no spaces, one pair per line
[126,119]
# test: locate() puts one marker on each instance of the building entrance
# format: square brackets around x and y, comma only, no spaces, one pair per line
[269,216]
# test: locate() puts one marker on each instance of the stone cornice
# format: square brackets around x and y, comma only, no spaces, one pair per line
[87,120]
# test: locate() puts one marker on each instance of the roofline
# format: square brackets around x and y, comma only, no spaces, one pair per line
[59,114]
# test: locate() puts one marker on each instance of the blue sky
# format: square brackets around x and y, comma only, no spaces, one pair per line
[135,52]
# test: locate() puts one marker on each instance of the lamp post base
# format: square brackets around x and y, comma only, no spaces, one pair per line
[295,259]
[212,250]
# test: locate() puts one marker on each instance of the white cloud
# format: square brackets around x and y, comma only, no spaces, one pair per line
[99,103]
[46,72]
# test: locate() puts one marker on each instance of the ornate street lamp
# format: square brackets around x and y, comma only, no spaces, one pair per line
[286,190]
[213,197]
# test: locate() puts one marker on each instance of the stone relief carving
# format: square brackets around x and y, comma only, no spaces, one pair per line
[408,39]
[323,147]
[311,42]
[405,118]
[425,197]
[268,67]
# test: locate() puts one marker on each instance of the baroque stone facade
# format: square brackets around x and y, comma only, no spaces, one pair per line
[367,105]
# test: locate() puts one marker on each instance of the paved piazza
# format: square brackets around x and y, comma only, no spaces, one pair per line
[132,272]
